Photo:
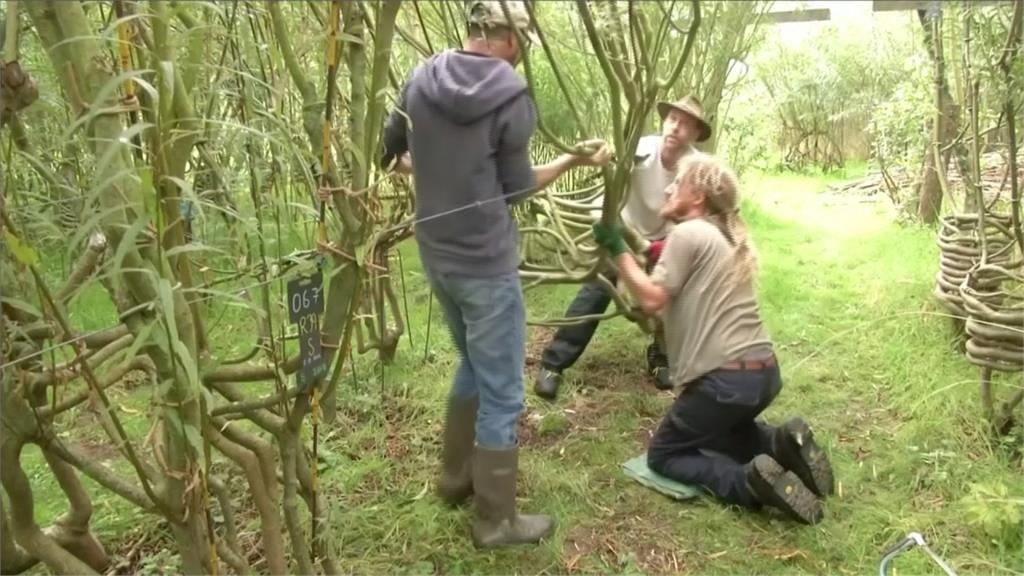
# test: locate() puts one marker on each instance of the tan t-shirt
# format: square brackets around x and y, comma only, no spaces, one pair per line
[709,320]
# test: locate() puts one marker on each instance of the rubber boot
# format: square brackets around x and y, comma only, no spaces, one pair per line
[772,485]
[793,447]
[456,482]
[547,383]
[494,483]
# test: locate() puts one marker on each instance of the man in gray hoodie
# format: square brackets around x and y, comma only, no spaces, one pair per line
[466,119]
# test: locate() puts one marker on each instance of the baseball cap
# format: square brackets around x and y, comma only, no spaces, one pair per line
[489,13]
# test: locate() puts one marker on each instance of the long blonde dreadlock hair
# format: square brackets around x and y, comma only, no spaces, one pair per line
[720,187]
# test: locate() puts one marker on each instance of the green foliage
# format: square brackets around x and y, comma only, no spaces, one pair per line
[997,512]
[869,366]
[22,252]
[728,32]
[580,72]
[988,26]
[553,424]
[827,88]
[747,128]
[731,33]
[162,562]
[898,126]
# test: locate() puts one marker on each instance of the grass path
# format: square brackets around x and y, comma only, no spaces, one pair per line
[846,296]
[866,359]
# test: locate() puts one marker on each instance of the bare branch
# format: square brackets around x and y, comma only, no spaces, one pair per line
[249,372]
[97,471]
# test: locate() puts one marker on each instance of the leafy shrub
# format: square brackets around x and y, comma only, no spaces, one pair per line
[822,101]
[998,514]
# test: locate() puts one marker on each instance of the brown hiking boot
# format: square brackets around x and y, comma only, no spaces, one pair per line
[497,522]
[773,486]
[456,481]
[795,449]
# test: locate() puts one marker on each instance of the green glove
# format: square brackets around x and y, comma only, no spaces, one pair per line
[610,238]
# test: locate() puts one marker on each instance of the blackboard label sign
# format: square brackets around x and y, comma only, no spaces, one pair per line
[305,304]
[311,355]
[305,296]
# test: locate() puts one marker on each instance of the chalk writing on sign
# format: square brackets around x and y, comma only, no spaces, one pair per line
[305,296]
[305,304]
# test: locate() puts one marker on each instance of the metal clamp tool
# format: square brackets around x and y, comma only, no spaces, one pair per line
[912,539]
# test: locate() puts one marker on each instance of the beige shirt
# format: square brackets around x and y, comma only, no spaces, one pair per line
[709,320]
[646,194]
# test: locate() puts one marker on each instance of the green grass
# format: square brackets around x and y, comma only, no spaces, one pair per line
[846,296]
[867,358]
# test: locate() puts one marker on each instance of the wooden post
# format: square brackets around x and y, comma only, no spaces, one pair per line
[811,15]
[905,5]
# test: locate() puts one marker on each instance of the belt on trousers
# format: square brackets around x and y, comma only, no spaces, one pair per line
[749,364]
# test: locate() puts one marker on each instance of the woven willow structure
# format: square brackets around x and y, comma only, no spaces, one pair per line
[980,282]
[995,319]
[960,244]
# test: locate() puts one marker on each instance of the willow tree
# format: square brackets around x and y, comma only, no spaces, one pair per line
[992,290]
[724,41]
[175,105]
[945,121]
[228,151]
[639,56]
[631,48]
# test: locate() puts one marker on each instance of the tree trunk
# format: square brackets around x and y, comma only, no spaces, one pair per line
[121,201]
[71,530]
[26,532]
[929,201]
[945,124]
[13,558]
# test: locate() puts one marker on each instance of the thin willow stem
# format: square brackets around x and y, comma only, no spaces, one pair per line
[556,69]
[617,56]
[95,384]
[613,82]
[1010,55]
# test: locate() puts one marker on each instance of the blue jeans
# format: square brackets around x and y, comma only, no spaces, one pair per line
[487,320]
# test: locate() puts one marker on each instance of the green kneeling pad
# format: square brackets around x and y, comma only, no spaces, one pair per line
[637,469]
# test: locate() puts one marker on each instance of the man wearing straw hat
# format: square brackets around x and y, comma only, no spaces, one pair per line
[656,157]
[466,118]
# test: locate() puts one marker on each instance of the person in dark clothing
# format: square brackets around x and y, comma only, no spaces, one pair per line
[465,118]
[721,355]
[654,167]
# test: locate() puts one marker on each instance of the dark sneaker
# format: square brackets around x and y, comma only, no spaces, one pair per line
[774,486]
[796,450]
[661,378]
[657,367]
[547,383]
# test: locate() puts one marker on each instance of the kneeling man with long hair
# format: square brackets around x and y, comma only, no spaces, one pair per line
[720,355]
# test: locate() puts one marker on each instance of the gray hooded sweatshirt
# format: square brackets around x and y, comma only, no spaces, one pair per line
[466,119]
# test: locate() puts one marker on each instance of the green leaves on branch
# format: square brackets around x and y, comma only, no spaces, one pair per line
[22,252]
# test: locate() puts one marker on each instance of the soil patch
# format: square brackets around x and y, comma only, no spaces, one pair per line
[537,338]
[609,373]
[97,450]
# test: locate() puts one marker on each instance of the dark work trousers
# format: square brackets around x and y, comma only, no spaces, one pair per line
[570,341]
[710,432]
